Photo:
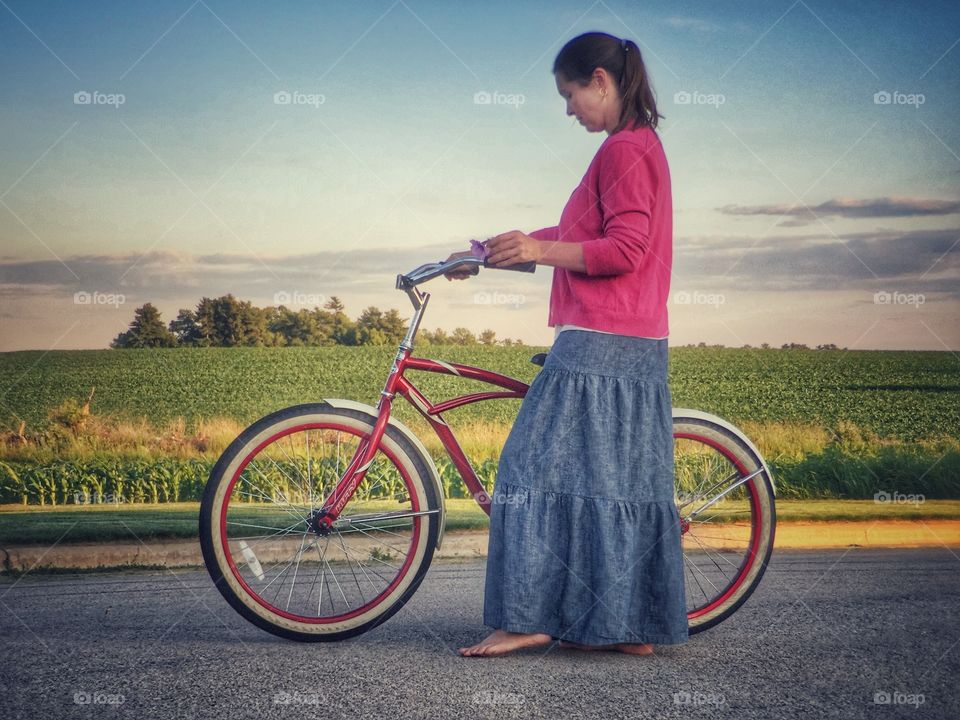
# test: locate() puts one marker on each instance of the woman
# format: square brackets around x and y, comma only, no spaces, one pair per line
[584,532]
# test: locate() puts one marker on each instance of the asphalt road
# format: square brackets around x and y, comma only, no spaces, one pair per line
[846,634]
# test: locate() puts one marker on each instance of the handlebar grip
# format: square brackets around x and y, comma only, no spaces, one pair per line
[529,267]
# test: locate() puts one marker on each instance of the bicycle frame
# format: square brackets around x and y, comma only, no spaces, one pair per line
[745,558]
[398,383]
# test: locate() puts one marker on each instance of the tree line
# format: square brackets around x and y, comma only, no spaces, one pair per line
[228,322]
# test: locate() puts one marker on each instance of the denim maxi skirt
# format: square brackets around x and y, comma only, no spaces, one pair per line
[584,531]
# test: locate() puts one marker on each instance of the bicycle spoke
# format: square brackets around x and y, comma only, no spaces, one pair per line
[740,481]
[719,554]
[707,597]
[286,567]
[309,476]
[281,471]
[295,571]
[384,516]
[268,537]
[350,565]
[384,542]
[704,576]
[297,466]
[724,514]
[323,574]
[709,557]
[263,527]
[282,495]
[379,528]
[288,510]
[345,601]
[700,493]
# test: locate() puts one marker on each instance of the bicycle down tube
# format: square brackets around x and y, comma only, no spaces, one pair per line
[398,383]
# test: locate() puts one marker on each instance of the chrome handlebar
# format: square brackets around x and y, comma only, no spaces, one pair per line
[471,263]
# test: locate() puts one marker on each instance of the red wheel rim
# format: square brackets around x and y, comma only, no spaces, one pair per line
[401,574]
[752,555]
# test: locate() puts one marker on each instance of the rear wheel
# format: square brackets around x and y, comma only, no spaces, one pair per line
[271,559]
[725,500]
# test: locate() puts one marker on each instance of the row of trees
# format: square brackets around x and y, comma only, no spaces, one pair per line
[228,322]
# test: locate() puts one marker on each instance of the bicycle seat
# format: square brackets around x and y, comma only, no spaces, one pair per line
[539,359]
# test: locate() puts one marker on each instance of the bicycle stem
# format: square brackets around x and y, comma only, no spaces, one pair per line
[419,300]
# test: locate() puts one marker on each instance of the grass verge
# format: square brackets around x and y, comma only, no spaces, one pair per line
[29,525]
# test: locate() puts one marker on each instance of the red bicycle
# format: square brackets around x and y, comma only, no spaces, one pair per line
[320,520]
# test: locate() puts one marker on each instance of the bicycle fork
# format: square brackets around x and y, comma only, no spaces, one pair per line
[321,520]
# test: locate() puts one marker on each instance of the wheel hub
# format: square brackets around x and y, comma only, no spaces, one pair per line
[318,523]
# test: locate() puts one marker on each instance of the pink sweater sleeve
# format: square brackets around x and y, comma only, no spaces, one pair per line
[628,183]
[547,233]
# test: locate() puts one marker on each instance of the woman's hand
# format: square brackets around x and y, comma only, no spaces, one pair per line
[512,248]
[460,273]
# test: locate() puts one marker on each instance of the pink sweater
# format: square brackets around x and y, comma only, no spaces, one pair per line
[622,213]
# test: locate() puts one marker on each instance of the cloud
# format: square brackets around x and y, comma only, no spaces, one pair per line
[166,275]
[923,260]
[849,208]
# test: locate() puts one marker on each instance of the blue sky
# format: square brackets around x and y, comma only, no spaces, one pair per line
[804,210]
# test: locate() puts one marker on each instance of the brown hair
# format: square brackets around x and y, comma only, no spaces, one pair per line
[577,60]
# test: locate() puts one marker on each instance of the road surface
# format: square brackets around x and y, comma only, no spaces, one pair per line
[849,634]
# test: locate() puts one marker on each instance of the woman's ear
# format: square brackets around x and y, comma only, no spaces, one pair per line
[602,79]
[598,78]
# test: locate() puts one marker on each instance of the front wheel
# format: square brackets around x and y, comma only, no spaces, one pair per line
[282,570]
[725,500]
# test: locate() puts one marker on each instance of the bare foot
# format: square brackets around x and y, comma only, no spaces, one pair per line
[635,649]
[500,642]
[628,648]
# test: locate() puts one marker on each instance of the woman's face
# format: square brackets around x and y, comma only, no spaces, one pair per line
[585,102]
